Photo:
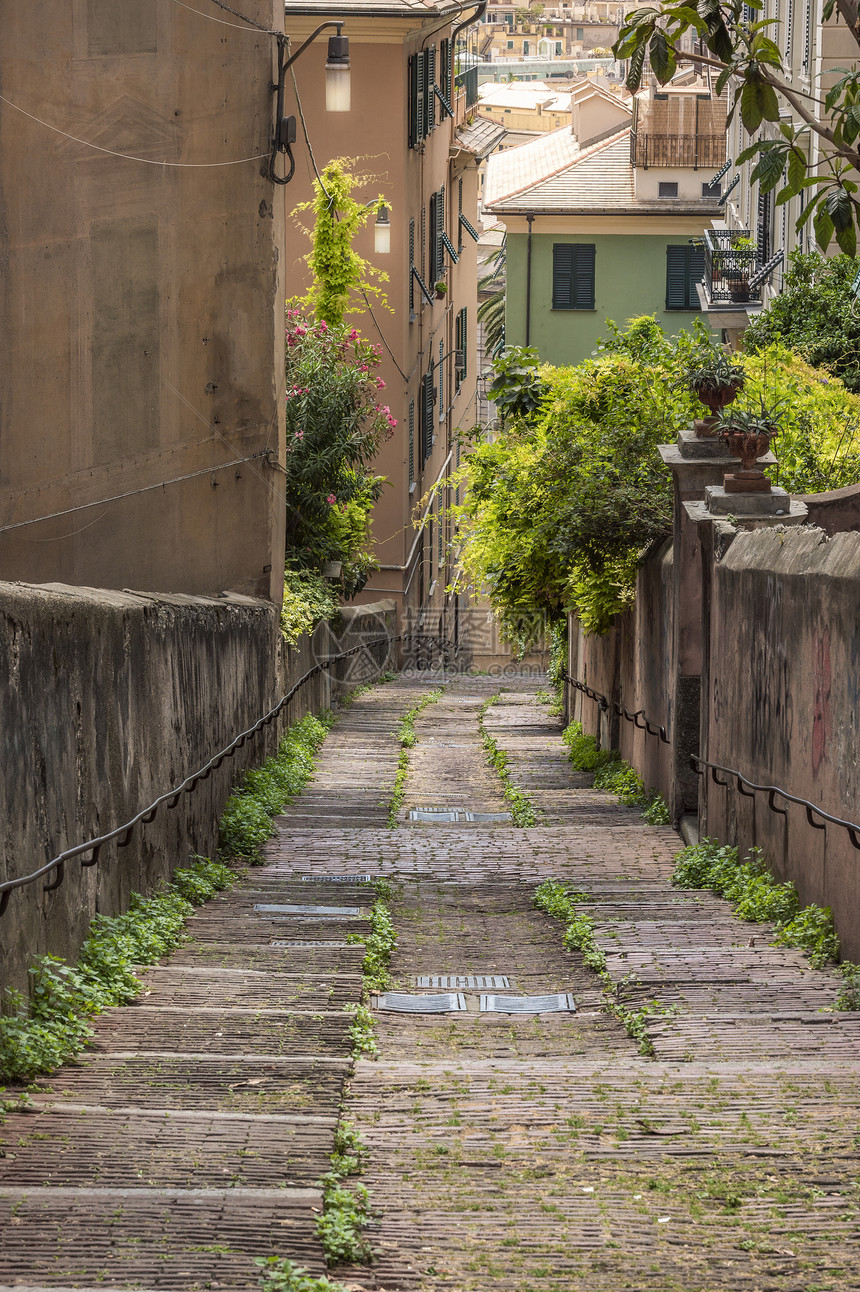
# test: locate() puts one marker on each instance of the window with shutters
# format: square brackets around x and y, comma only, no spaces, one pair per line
[411,445]
[446,78]
[461,345]
[426,416]
[417,98]
[685,266]
[573,276]
[807,36]
[762,227]
[436,227]
[459,215]
[440,381]
[789,33]
[411,267]
[429,92]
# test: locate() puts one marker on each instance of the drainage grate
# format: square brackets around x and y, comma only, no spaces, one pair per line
[441,816]
[402,1003]
[563,1003]
[332,912]
[334,946]
[459,981]
[336,879]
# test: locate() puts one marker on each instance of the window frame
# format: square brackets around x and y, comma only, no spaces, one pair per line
[581,275]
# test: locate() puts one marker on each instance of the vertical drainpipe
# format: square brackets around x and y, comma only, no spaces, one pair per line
[530,221]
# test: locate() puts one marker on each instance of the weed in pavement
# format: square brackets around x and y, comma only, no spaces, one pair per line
[407,739]
[615,776]
[281,1275]
[523,813]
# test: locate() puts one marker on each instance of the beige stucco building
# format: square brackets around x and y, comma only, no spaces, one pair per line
[429,173]
[141,374]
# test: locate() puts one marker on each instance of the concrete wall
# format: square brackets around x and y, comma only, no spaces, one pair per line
[779,652]
[110,699]
[141,302]
[632,665]
[781,702]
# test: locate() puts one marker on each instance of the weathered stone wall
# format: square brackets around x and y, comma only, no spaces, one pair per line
[780,696]
[108,699]
[632,665]
[781,703]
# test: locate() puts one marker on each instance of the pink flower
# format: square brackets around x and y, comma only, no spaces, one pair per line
[380,384]
[353,336]
[331,500]
[323,326]
[300,435]
[301,331]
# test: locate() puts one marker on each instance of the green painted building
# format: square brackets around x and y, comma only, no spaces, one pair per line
[591,237]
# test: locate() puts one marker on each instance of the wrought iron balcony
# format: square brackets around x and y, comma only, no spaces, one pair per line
[729,267]
[707,152]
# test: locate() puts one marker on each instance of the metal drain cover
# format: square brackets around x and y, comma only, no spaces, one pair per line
[442,816]
[558,1004]
[403,1003]
[336,879]
[332,912]
[462,980]
[333,946]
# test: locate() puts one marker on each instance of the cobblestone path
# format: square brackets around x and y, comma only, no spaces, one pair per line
[505,1151]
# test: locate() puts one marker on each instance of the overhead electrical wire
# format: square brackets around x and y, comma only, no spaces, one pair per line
[147,161]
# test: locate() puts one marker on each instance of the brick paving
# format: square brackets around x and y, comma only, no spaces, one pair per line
[505,1152]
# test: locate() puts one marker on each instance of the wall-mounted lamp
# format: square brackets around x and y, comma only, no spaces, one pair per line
[337,93]
[382,232]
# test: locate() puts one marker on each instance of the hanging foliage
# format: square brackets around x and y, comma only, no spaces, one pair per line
[342,279]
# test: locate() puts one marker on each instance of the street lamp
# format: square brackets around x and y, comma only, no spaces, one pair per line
[382,232]
[337,92]
[337,95]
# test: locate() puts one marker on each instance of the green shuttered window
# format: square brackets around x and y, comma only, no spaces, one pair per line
[685,266]
[573,276]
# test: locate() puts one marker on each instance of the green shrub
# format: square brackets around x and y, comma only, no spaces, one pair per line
[758,897]
[282,1275]
[246,822]
[585,753]
[39,1034]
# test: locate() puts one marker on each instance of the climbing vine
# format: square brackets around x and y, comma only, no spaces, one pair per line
[342,279]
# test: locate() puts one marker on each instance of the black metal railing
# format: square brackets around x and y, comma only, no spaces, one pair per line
[744,786]
[468,82]
[731,261]
[688,151]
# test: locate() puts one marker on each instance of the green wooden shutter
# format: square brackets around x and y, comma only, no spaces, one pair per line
[440,229]
[695,274]
[429,95]
[417,98]
[440,368]
[411,267]
[426,415]
[563,255]
[432,238]
[676,278]
[573,276]
[461,345]
[583,278]
[411,443]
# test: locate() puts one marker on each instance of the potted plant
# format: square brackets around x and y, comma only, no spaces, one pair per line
[716,382]
[747,435]
[441,289]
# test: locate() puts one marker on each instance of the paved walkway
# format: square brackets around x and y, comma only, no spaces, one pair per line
[506,1152]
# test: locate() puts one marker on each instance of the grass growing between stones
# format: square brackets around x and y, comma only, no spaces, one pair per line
[557,900]
[407,739]
[523,813]
[278,1274]
[36,1036]
[615,776]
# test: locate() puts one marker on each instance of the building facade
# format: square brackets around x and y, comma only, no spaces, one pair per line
[413,125]
[603,225]
[141,374]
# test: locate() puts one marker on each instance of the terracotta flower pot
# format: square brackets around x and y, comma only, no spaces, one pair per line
[715,398]
[749,446]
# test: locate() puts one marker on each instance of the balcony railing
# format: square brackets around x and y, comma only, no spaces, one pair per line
[707,152]
[728,267]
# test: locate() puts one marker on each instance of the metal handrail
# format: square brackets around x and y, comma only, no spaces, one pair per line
[699,766]
[122,833]
[652,728]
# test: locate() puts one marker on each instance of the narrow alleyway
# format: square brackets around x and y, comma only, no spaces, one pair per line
[506,1151]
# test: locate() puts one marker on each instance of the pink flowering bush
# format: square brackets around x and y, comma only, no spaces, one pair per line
[334,429]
